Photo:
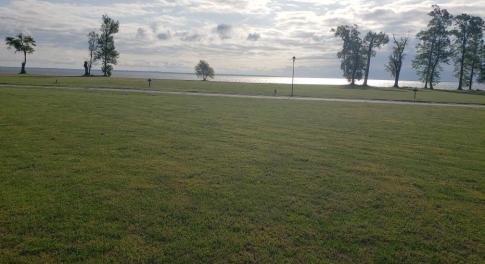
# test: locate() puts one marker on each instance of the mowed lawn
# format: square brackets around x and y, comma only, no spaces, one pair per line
[133,178]
[325,91]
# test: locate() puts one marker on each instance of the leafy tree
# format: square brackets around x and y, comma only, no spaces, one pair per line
[394,65]
[23,44]
[351,55]
[92,47]
[473,58]
[373,41]
[468,32]
[106,51]
[204,70]
[433,47]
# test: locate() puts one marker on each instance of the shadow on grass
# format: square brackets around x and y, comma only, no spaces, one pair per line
[374,88]
[46,76]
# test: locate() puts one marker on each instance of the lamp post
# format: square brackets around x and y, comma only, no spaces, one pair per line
[293,76]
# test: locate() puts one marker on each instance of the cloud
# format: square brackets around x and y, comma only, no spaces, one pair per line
[189,37]
[253,36]
[224,31]
[164,36]
[141,33]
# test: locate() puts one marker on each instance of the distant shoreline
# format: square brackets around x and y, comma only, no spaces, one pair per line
[232,78]
[81,71]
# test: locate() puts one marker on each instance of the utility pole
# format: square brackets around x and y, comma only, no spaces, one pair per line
[293,76]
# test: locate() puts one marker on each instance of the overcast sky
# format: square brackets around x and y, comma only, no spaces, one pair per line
[234,36]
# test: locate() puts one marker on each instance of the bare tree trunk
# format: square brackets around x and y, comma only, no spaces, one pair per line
[428,67]
[398,72]
[22,70]
[396,78]
[427,75]
[105,66]
[472,72]
[90,62]
[471,75]
[369,53]
[353,76]
[433,69]
[462,62]
[431,77]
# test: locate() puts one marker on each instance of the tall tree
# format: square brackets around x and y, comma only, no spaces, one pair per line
[468,32]
[481,76]
[204,70]
[373,41]
[351,56]
[21,43]
[433,47]
[474,59]
[394,65]
[106,51]
[92,47]
[473,56]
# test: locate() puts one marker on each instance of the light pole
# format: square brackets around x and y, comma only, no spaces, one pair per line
[293,76]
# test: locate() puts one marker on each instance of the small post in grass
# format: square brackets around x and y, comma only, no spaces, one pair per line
[415,90]
[149,82]
[293,76]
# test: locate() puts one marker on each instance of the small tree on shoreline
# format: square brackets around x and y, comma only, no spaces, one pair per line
[21,43]
[481,63]
[204,70]
[394,65]
[433,48]
[371,42]
[92,47]
[106,51]
[468,33]
[351,55]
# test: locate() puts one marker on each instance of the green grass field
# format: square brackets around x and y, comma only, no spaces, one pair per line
[133,178]
[327,91]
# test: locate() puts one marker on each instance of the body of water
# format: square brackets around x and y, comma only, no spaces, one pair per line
[234,78]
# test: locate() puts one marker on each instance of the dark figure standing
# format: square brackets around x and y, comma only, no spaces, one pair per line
[86,69]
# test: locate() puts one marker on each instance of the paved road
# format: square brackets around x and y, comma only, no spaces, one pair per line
[145,91]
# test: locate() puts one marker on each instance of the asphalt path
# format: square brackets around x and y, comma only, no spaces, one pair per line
[295,98]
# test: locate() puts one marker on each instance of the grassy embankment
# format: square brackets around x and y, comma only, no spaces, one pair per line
[107,177]
[327,91]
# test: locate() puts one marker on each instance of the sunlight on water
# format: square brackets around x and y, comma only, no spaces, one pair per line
[334,81]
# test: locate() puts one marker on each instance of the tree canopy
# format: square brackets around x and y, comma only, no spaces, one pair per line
[93,38]
[433,47]
[106,51]
[371,42]
[396,58]
[468,32]
[351,56]
[21,43]
[204,70]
